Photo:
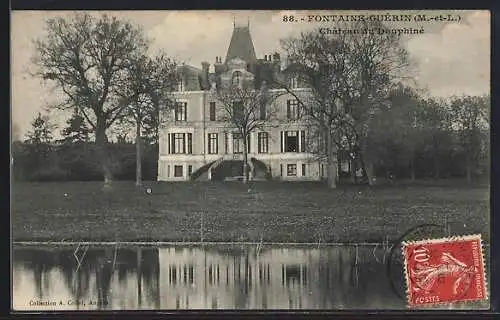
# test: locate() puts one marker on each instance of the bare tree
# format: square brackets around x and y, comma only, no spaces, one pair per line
[149,83]
[349,76]
[87,59]
[397,134]
[246,110]
[471,120]
[434,123]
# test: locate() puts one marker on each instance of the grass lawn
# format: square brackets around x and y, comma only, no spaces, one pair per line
[271,211]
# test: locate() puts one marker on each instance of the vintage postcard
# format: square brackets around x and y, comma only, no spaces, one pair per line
[255,160]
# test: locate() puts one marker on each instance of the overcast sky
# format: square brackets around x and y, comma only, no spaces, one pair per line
[451,58]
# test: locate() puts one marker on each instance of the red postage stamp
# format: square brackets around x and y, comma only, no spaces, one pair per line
[445,270]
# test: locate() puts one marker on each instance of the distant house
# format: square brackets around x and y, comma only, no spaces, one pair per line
[196,144]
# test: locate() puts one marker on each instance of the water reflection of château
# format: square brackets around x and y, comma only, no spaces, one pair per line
[209,277]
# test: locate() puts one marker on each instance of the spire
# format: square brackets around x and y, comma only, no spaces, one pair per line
[241,45]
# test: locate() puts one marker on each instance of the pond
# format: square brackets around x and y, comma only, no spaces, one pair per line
[91,277]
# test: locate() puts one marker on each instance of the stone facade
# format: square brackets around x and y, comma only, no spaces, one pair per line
[195,141]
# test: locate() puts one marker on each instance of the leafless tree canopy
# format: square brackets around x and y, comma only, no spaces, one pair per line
[350,76]
[88,58]
[246,109]
[99,64]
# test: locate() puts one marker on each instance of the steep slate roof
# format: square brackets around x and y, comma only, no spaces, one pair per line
[241,45]
[192,77]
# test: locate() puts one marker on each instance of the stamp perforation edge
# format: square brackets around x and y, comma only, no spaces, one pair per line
[404,244]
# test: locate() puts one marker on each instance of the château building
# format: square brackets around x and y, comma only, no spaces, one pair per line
[197,143]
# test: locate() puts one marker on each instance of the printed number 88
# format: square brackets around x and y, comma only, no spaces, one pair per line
[288,19]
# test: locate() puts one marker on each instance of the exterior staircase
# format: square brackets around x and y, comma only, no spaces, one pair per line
[260,170]
[230,166]
[202,173]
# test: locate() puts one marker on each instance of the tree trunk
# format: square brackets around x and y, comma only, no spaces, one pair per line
[102,151]
[412,166]
[436,157]
[469,171]
[139,276]
[367,169]
[245,160]
[331,168]
[339,168]
[436,166]
[138,155]
[353,171]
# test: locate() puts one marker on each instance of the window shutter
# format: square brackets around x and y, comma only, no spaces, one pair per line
[172,143]
[282,142]
[226,141]
[216,143]
[259,144]
[190,143]
[168,143]
[302,141]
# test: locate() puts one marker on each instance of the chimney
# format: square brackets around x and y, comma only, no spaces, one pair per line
[204,73]
[204,66]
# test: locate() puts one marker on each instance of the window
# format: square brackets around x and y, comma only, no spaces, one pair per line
[263,141]
[238,143]
[303,169]
[293,141]
[281,170]
[212,111]
[190,170]
[294,82]
[237,110]
[178,171]
[212,143]
[181,111]
[291,170]
[168,171]
[262,111]
[181,143]
[180,85]
[236,78]
[292,109]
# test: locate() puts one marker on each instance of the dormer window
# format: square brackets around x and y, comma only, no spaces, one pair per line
[236,78]
[292,109]
[180,85]
[294,82]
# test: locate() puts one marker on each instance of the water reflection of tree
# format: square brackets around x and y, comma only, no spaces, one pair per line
[77,282]
[42,261]
[98,261]
[242,280]
[151,274]
[350,278]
